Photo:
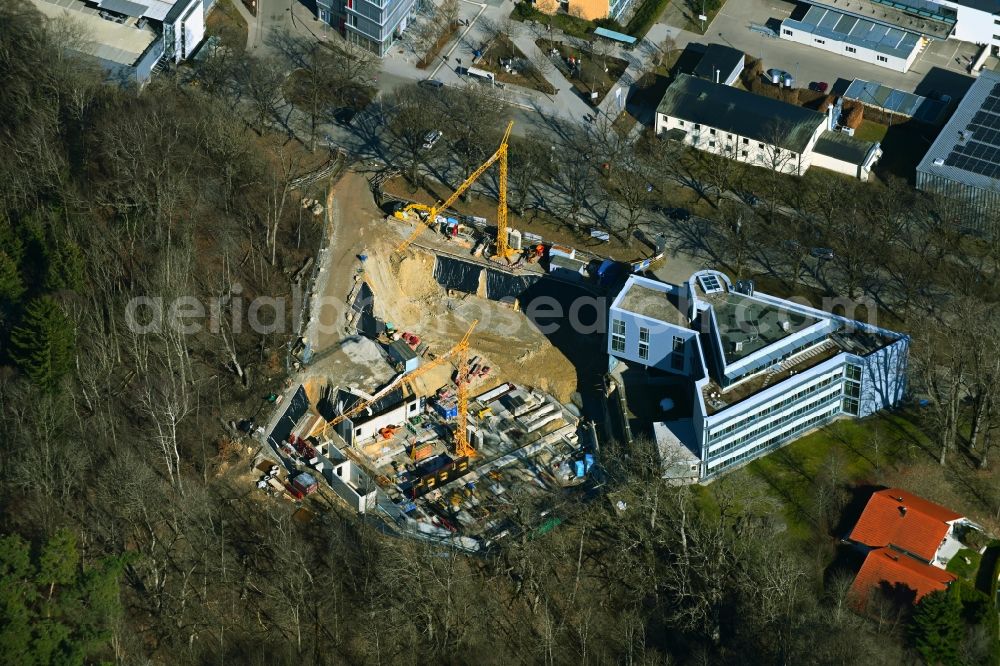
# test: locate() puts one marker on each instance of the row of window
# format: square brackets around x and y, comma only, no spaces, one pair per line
[788,354]
[712,132]
[618,336]
[618,339]
[777,423]
[771,409]
[774,441]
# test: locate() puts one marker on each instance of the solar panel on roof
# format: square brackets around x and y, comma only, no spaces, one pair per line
[710,284]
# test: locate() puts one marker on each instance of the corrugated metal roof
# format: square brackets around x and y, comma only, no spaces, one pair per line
[841,27]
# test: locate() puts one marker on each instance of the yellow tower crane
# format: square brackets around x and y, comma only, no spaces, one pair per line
[431,212]
[462,446]
[461,348]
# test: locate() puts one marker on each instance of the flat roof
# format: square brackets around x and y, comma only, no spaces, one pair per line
[968,148]
[873,93]
[740,112]
[718,57]
[121,43]
[658,305]
[840,146]
[914,16]
[850,29]
[752,324]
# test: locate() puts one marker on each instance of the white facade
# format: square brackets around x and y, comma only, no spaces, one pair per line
[364,427]
[745,405]
[792,33]
[740,148]
[860,171]
[974,25]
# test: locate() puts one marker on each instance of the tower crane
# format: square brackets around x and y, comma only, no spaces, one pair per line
[462,446]
[461,348]
[431,212]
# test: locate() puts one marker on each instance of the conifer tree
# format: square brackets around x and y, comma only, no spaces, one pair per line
[43,344]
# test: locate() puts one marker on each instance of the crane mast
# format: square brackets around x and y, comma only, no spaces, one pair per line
[433,211]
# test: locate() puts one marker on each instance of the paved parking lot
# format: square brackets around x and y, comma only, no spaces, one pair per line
[939,64]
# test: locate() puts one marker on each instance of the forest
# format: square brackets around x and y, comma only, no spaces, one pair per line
[125,540]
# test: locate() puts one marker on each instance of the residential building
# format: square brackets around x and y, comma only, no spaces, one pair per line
[758,130]
[129,38]
[896,578]
[910,542]
[720,64]
[910,524]
[391,410]
[893,33]
[586,9]
[758,371]
[963,163]
[371,24]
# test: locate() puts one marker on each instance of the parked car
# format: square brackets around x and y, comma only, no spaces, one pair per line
[819,86]
[821,253]
[780,77]
[432,83]
[431,138]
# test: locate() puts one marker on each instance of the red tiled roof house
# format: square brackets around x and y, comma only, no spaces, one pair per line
[912,540]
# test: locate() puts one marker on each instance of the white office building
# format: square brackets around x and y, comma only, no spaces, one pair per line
[757,371]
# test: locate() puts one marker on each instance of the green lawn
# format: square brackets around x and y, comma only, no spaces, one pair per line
[871,131]
[958,565]
[848,446]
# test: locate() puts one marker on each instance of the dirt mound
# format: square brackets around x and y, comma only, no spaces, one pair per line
[416,276]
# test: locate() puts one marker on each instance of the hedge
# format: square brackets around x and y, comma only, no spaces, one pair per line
[645,16]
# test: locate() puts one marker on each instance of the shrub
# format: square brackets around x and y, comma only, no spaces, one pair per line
[645,16]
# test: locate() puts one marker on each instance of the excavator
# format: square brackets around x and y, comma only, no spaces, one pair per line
[429,214]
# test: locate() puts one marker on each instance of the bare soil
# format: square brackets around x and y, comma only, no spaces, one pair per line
[407,294]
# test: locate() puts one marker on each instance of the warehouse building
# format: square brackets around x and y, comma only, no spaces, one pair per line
[758,130]
[758,371]
[963,163]
[129,38]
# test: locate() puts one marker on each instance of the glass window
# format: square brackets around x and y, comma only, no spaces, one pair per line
[643,334]
[853,372]
[678,342]
[851,406]
[677,361]
[618,326]
[643,350]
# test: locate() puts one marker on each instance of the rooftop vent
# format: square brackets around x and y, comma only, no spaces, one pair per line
[737,345]
[938,161]
[902,510]
[964,135]
[786,326]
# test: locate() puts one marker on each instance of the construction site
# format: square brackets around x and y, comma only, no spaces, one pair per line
[427,396]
